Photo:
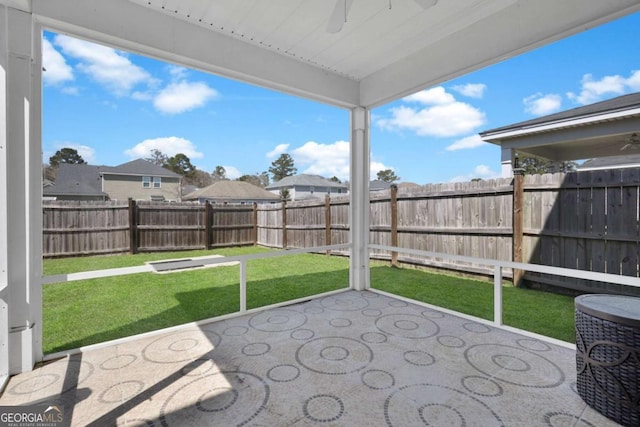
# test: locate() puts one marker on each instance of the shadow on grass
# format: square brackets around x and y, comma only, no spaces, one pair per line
[541,312]
[95,320]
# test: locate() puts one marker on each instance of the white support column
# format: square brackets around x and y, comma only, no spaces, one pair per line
[20,189]
[507,160]
[359,197]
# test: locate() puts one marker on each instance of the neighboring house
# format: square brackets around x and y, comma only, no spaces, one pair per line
[604,129]
[138,179]
[379,185]
[614,162]
[232,192]
[305,186]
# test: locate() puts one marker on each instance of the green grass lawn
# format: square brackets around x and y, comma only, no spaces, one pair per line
[96,310]
[544,313]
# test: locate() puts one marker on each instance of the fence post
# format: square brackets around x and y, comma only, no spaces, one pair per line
[497,295]
[394,224]
[518,223]
[327,221]
[133,227]
[255,223]
[284,224]
[208,226]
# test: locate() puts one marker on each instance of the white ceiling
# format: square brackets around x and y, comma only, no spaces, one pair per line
[381,53]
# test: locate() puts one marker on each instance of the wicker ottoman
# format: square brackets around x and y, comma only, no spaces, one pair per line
[608,355]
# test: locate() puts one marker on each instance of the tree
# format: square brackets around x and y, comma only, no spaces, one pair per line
[219,174]
[282,167]
[199,178]
[259,180]
[284,194]
[535,165]
[387,175]
[66,155]
[180,164]
[335,179]
[157,157]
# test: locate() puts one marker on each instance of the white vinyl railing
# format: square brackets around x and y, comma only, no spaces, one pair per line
[499,265]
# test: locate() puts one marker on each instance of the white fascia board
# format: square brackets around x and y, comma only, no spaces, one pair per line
[129,26]
[516,29]
[23,5]
[497,137]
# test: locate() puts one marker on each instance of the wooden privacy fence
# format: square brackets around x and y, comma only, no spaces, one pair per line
[92,228]
[584,220]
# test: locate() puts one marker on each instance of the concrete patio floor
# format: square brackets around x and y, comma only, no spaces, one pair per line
[351,359]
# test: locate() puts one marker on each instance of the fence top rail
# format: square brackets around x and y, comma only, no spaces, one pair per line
[558,271]
[187,263]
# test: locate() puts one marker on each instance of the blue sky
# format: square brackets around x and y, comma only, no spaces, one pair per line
[114,106]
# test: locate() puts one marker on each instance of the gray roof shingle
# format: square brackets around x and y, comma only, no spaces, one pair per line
[305,180]
[81,180]
[232,190]
[140,167]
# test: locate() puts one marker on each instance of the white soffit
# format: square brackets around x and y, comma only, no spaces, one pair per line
[380,54]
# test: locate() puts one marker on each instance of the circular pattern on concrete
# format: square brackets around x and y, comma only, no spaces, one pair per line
[323,408]
[283,373]
[342,302]
[256,349]
[121,392]
[374,337]
[334,355]
[482,386]
[407,326]
[478,328]
[419,358]
[235,331]
[47,376]
[378,379]
[277,320]
[531,344]
[514,365]
[436,405]
[451,341]
[117,362]
[232,398]
[198,367]
[371,312]
[561,419]
[397,303]
[432,314]
[302,334]
[181,346]
[340,322]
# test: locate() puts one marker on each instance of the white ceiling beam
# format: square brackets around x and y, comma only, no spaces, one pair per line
[516,29]
[128,26]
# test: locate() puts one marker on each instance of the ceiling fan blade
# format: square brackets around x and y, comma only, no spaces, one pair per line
[426,4]
[339,16]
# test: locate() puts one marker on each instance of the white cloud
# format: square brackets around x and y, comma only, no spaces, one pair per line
[437,95]
[480,171]
[232,172]
[472,141]
[56,69]
[276,152]
[595,90]
[329,160]
[105,65]
[170,146]
[472,90]
[179,97]
[87,153]
[540,105]
[442,115]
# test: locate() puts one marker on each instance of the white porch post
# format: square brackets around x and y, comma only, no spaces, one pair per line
[20,192]
[507,158]
[359,197]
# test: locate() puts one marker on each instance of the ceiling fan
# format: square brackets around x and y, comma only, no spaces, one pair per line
[633,143]
[341,10]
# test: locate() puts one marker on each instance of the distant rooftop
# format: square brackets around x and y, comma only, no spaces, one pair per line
[305,180]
